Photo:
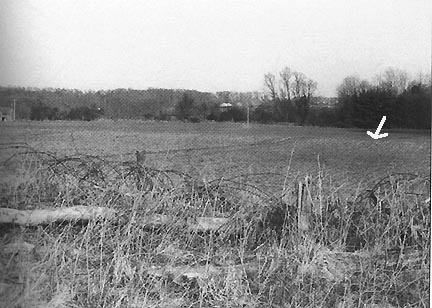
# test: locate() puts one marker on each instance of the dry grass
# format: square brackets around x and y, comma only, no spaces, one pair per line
[362,248]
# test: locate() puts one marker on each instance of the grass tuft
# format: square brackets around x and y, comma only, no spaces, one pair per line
[306,245]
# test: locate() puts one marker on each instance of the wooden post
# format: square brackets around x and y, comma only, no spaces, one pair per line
[14,108]
[247,115]
[303,207]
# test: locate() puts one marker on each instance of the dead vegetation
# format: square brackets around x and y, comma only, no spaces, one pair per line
[83,231]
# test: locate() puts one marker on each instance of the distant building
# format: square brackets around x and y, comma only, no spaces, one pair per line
[6,113]
[225,107]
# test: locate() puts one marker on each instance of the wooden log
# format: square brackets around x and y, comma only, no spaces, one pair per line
[335,266]
[47,216]
[201,272]
[207,223]
[86,213]
[198,224]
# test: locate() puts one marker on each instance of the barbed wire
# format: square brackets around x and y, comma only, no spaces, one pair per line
[231,147]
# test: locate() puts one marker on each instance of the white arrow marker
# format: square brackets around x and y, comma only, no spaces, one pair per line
[377,134]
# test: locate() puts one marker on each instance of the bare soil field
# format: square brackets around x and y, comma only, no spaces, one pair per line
[348,156]
[172,214]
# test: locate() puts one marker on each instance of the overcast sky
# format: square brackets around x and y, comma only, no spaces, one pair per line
[208,45]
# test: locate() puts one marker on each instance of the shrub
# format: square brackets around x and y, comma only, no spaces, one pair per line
[40,112]
[194,119]
[184,107]
[263,114]
[83,113]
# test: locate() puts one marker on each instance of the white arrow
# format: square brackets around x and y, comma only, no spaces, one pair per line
[377,134]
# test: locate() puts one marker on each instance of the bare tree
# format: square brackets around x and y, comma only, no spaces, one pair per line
[299,84]
[424,79]
[292,102]
[349,86]
[311,87]
[364,86]
[286,75]
[393,79]
[270,82]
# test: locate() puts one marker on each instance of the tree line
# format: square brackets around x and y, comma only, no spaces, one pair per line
[149,104]
[405,102]
[288,96]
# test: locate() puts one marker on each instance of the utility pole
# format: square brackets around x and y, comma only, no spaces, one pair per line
[14,108]
[247,115]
